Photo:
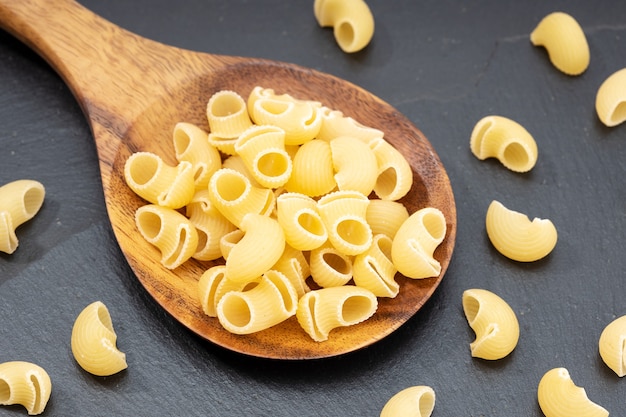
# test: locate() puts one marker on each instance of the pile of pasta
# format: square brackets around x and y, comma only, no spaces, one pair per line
[280,190]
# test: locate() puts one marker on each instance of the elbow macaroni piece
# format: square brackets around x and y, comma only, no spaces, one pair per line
[506,140]
[93,342]
[313,172]
[26,384]
[415,243]
[321,311]
[335,124]
[611,99]
[612,345]
[191,144]
[515,236]
[493,321]
[565,42]
[395,177]
[329,266]
[228,118]
[386,217]
[417,401]
[354,163]
[298,216]
[20,201]
[352,22]
[295,267]
[559,397]
[170,231]
[374,270]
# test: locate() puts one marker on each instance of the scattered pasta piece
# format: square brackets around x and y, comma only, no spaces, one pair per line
[94,342]
[611,345]
[352,21]
[515,236]
[493,321]
[559,397]
[611,99]
[20,201]
[415,243]
[26,384]
[564,41]
[506,140]
[417,401]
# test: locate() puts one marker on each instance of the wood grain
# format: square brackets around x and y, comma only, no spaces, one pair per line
[133,91]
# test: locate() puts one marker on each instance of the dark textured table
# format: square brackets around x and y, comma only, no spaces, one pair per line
[445,65]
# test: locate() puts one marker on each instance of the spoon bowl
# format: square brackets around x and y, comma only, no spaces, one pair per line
[134,90]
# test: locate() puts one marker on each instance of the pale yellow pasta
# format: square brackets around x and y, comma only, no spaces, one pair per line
[295,267]
[300,119]
[385,216]
[395,177]
[210,224]
[374,270]
[612,346]
[352,22]
[227,115]
[236,163]
[323,310]
[298,216]
[212,286]
[329,266]
[558,396]
[159,183]
[494,322]
[26,384]
[234,196]
[355,164]
[611,99]
[270,302]
[417,401]
[20,201]
[414,244]
[313,172]
[343,214]
[515,236]
[93,342]
[261,246]
[191,144]
[335,124]
[506,140]
[170,231]
[262,149]
[229,240]
[564,41]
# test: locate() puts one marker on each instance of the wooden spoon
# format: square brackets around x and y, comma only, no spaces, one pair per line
[134,90]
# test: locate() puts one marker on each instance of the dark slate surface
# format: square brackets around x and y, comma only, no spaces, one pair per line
[444,64]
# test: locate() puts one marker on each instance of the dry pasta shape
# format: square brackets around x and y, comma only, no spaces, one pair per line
[506,140]
[321,311]
[26,384]
[313,173]
[352,22]
[170,231]
[395,177]
[412,251]
[159,183]
[227,115]
[293,264]
[335,124]
[191,145]
[558,396]
[416,401]
[329,266]
[260,247]
[612,344]
[515,236]
[212,286]
[611,99]
[93,342]
[20,201]
[564,41]
[374,270]
[355,164]
[298,216]
[385,216]
[494,322]
[270,302]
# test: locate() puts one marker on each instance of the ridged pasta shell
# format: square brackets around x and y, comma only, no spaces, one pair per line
[374,270]
[564,41]
[191,145]
[612,346]
[506,140]
[385,216]
[493,321]
[298,216]
[352,22]
[417,401]
[94,342]
[26,384]
[515,236]
[227,115]
[8,238]
[262,149]
[213,285]
[559,397]
[395,176]
[295,267]
[20,201]
[611,99]
[313,173]
[335,124]
[329,266]
[355,164]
